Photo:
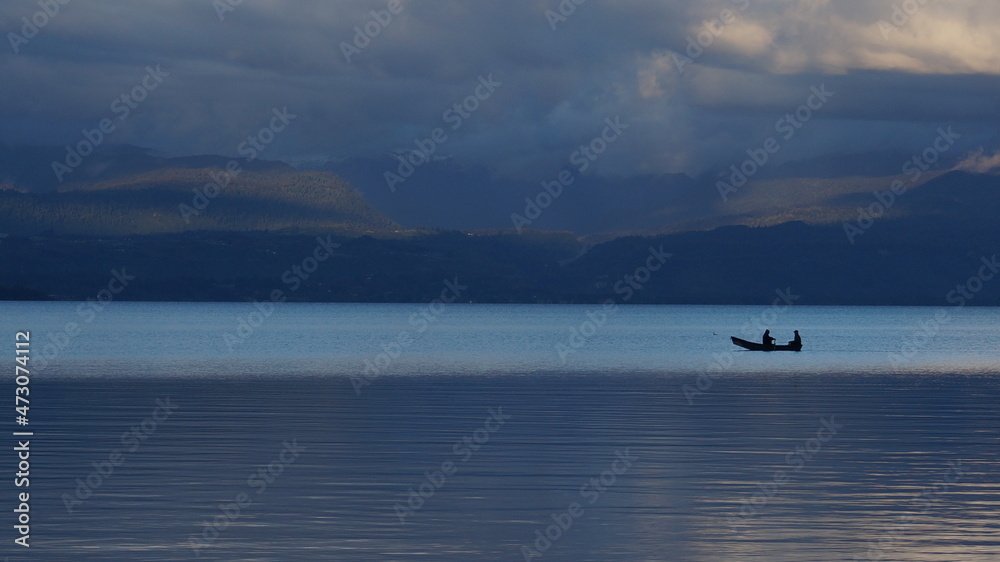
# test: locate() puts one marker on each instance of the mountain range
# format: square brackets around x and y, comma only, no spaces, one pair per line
[216,228]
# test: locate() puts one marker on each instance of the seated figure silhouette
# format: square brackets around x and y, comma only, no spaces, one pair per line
[768,340]
[797,342]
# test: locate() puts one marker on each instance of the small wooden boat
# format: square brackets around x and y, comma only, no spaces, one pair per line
[757,346]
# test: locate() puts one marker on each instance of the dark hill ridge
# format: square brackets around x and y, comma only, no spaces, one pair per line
[907,261]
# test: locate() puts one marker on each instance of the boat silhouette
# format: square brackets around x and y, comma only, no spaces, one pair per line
[757,346]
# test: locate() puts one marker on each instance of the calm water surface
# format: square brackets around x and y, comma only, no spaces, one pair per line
[879,441]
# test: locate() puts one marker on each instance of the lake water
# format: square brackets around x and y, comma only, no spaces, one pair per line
[228,432]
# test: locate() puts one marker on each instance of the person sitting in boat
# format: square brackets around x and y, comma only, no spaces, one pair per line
[768,340]
[797,342]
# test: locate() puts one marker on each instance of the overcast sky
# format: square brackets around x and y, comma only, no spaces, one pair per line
[559,78]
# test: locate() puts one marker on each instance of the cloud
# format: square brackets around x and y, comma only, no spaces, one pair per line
[614,58]
[980,163]
[938,37]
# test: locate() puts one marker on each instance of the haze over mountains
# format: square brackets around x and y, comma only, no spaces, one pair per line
[187,240]
[126,190]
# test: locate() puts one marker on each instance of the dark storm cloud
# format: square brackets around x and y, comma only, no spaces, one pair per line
[893,75]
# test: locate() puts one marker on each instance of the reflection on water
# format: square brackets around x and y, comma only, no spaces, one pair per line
[270,452]
[695,468]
